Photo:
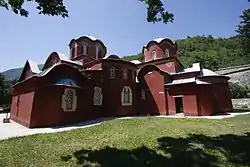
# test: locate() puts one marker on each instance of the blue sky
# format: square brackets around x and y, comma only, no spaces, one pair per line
[120,24]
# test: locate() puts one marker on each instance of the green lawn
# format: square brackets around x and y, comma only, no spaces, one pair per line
[137,142]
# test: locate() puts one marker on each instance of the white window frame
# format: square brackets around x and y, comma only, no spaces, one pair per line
[97,97]
[130,94]
[112,73]
[166,52]
[125,73]
[64,99]
[153,54]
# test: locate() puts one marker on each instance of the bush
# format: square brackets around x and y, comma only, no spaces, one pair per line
[238,91]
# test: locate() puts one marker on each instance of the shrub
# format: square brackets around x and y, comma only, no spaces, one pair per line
[238,91]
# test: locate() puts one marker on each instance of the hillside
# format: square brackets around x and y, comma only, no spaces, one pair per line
[213,53]
[14,74]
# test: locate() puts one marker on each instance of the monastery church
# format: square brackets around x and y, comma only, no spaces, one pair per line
[90,84]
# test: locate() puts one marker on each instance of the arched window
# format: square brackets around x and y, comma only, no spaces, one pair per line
[85,49]
[153,55]
[73,50]
[166,52]
[112,73]
[69,100]
[97,96]
[97,52]
[126,96]
[125,73]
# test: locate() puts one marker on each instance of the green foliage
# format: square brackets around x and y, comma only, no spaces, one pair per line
[51,7]
[211,52]
[156,12]
[244,32]
[155,9]
[238,91]
[5,92]
[172,142]
[133,57]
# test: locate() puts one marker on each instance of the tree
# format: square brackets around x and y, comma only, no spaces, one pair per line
[5,92]
[155,9]
[206,60]
[244,32]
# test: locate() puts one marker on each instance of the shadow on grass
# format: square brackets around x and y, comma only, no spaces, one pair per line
[195,150]
[240,110]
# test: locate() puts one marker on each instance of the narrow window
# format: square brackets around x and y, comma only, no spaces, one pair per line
[126,96]
[97,96]
[69,100]
[112,72]
[166,52]
[97,53]
[153,55]
[85,49]
[125,73]
[143,94]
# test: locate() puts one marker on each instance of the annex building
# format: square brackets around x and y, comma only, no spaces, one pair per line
[89,84]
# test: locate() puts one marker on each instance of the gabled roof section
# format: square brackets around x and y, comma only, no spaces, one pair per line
[33,66]
[60,57]
[29,65]
[203,73]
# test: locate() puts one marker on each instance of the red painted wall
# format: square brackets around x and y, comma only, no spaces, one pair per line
[159,48]
[21,108]
[153,84]
[47,107]
[214,98]
[112,88]
[189,92]
[190,105]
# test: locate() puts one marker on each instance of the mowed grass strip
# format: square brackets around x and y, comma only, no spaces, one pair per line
[148,141]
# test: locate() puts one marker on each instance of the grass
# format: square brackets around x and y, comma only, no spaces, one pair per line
[147,141]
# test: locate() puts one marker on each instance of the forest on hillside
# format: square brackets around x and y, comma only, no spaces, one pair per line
[211,52]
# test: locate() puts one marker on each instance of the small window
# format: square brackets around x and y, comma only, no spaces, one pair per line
[143,94]
[97,96]
[97,53]
[166,52]
[69,100]
[126,96]
[153,55]
[85,49]
[112,72]
[125,73]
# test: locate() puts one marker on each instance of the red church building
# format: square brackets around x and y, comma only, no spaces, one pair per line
[89,85]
